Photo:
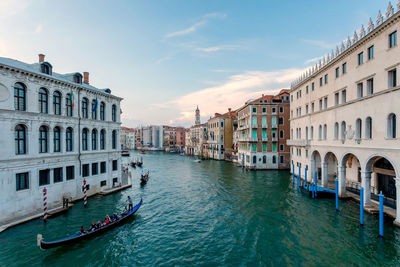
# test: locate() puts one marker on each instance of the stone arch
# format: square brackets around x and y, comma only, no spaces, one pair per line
[329,169]
[349,173]
[315,164]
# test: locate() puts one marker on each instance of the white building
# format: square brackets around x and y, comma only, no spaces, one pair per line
[153,137]
[56,130]
[128,138]
[344,110]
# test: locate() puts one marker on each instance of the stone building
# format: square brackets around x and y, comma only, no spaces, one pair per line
[344,114]
[128,138]
[57,130]
[196,137]
[263,128]
[220,135]
[174,139]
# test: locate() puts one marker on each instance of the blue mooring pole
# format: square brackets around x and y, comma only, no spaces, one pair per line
[305,176]
[316,184]
[337,194]
[312,189]
[293,172]
[362,206]
[298,177]
[381,214]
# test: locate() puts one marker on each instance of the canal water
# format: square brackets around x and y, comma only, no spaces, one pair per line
[208,214]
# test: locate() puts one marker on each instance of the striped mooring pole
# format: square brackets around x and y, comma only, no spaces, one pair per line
[84,193]
[45,204]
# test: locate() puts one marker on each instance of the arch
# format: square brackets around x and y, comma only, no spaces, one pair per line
[351,168]
[20,139]
[343,130]
[312,132]
[382,172]
[103,139]
[325,132]
[320,132]
[57,102]
[315,164]
[43,100]
[68,105]
[69,139]
[391,126]
[254,159]
[331,170]
[57,139]
[358,128]
[94,139]
[94,109]
[336,131]
[20,96]
[368,128]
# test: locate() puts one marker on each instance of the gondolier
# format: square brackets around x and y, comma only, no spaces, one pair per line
[130,203]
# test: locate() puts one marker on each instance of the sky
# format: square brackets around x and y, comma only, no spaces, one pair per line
[166,57]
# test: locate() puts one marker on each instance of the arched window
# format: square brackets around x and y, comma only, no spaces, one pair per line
[94,139]
[273,159]
[69,135]
[312,132]
[68,105]
[57,103]
[94,109]
[20,139]
[43,139]
[343,130]
[368,128]
[291,134]
[336,131]
[114,139]
[306,133]
[85,133]
[320,132]
[391,126]
[254,159]
[85,103]
[102,111]
[102,139]
[358,128]
[19,97]
[264,159]
[281,134]
[325,131]
[43,100]
[114,113]
[57,139]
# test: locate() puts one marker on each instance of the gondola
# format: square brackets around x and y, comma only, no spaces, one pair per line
[133,164]
[75,238]
[139,164]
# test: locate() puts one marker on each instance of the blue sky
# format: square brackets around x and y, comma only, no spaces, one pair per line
[166,57]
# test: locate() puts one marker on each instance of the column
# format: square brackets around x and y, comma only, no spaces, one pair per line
[397,221]
[342,180]
[312,169]
[324,174]
[366,184]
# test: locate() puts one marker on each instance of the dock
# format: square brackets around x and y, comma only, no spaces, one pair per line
[113,190]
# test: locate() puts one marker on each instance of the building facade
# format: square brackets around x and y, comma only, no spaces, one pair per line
[263,128]
[344,114]
[128,138]
[174,139]
[196,137]
[220,135]
[152,137]
[57,130]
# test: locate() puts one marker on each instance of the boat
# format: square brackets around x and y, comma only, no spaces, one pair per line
[133,164]
[144,178]
[77,237]
[125,153]
[197,160]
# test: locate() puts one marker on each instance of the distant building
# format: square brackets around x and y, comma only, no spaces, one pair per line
[128,138]
[220,135]
[152,137]
[263,128]
[174,139]
[196,137]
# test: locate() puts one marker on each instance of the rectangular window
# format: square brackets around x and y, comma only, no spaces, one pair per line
[58,175]
[70,172]
[282,159]
[281,119]
[326,78]
[254,110]
[273,147]
[103,183]
[392,79]
[280,109]
[312,107]
[273,110]
[95,168]
[370,52]
[320,81]
[22,181]
[325,102]
[320,104]
[115,165]
[281,147]
[312,87]
[344,96]
[337,72]
[85,170]
[393,39]
[307,109]
[336,99]
[264,133]
[103,167]
[264,110]
[264,147]
[254,147]
[44,177]
[361,58]
[370,86]
[307,89]
[344,68]
[360,90]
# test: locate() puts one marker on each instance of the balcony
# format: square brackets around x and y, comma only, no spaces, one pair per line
[274,126]
[247,139]
[265,126]
[274,139]
[300,142]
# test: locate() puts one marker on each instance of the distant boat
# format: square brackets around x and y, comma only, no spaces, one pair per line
[197,160]
[125,153]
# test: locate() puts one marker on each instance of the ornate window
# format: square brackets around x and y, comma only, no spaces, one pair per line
[43,139]
[19,97]
[94,139]
[94,109]
[358,128]
[114,113]
[68,105]
[85,133]
[57,139]
[85,103]
[368,128]
[114,139]
[69,135]
[57,103]
[391,126]
[43,100]
[102,111]
[20,139]
[102,139]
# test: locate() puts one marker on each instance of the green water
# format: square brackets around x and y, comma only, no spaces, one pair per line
[210,213]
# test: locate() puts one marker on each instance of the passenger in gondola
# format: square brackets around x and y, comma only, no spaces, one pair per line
[114,217]
[99,224]
[142,174]
[82,230]
[107,219]
[93,227]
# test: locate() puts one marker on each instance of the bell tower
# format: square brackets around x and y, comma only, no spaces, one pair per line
[197,121]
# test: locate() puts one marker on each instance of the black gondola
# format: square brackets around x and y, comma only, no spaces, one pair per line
[74,238]
[139,164]
[133,164]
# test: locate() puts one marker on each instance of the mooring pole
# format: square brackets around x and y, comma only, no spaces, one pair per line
[298,177]
[381,214]
[305,177]
[337,193]
[312,189]
[293,172]
[315,183]
[362,206]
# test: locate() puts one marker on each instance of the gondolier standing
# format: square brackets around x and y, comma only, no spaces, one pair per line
[130,203]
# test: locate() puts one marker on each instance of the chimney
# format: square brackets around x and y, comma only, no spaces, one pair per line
[41,58]
[86,77]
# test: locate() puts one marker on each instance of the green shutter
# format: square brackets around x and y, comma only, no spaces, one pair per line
[273,147]
[254,147]
[264,147]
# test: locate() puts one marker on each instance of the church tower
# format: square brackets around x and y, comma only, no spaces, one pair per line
[197,121]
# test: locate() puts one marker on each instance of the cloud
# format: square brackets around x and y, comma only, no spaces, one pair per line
[313,60]
[232,93]
[163,59]
[217,48]
[39,28]
[10,8]
[319,43]
[197,25]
